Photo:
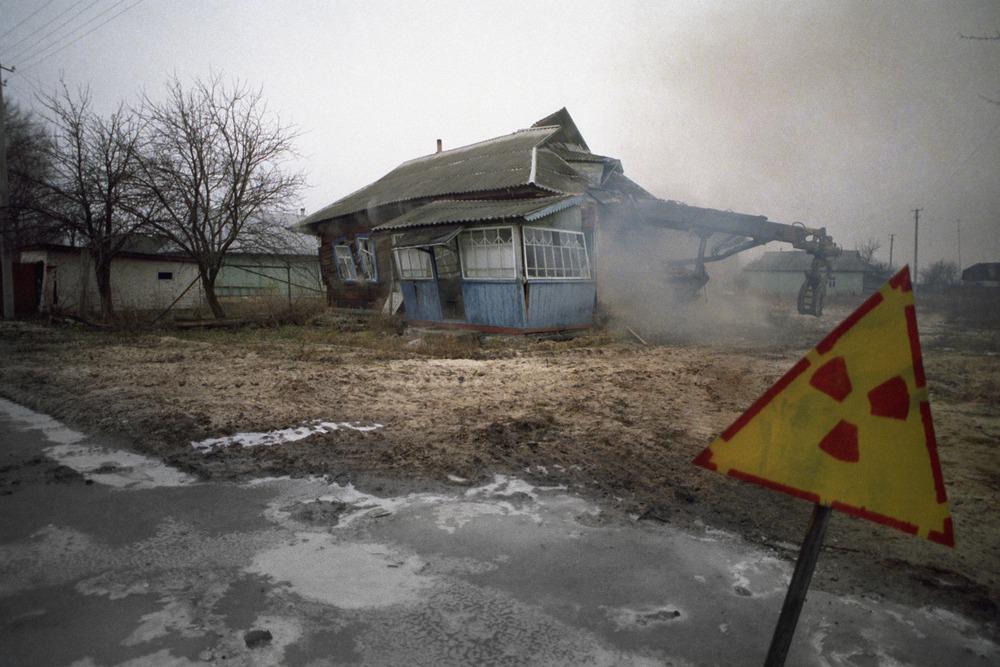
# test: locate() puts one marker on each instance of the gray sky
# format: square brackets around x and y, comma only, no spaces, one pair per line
[838,114]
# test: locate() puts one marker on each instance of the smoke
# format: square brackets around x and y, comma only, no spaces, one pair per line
[639,287]
[844,115]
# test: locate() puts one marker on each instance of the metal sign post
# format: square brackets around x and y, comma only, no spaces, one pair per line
[796,596]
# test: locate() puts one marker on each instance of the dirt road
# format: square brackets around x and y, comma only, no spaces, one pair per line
[615,420]
[119,560]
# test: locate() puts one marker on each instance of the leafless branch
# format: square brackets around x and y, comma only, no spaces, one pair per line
[213,168]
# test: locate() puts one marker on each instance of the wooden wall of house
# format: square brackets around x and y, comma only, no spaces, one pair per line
[559,304]
[493,303]
[347,294]
[423,302]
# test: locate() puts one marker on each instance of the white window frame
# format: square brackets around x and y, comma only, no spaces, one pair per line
[422,260]
[367,260]
[513,254]
[440,252]
[574,255]
[345,264]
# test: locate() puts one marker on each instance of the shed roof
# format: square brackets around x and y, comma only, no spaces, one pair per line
[450,211]
[982,271]
[505,162]
[798,260]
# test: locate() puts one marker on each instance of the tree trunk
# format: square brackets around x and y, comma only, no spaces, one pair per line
[102,269]
[208,284]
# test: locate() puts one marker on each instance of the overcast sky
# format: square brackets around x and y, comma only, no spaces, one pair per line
[839,114]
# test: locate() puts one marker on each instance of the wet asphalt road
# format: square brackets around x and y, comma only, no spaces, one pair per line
[146,566]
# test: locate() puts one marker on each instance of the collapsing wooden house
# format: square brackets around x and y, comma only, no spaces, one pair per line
[508,235]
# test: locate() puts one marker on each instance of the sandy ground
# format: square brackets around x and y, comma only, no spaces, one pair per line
[609,417]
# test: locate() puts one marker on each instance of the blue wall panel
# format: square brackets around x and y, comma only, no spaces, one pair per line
[497,304]
[560,304]
[421,300]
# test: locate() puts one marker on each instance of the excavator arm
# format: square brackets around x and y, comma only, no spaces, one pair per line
[723,234]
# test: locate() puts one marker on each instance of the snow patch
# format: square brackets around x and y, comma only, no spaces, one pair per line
[117,468]
[280,436]
[761,575]
[345,575]
[112,467]
[30,420]
[641,618]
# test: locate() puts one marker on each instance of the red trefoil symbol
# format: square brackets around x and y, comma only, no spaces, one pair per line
[891,400]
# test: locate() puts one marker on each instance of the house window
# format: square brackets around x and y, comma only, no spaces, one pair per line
[831,281]
[413,263]
[446,260]
[488,253]
[554,253]
[366,259]
[165,275]
[346,268]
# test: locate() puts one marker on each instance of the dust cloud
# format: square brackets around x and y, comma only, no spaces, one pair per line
[641,286]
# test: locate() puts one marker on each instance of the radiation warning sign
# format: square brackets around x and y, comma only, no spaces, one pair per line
[849,426]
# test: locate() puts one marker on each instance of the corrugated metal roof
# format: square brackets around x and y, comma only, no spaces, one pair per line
[569,134]
[457,211]
[848,262]
[496,164]
[427,236]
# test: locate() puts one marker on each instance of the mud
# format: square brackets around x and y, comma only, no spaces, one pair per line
[601,414]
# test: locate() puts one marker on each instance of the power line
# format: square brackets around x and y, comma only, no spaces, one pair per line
[73,32]
[34,85]
[20,54]
[69,44]
[26,19]
[44,25]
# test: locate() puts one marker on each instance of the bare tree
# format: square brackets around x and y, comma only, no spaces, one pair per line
[868,249]
[90,189]
[212,167]
[29,164]
[940,274]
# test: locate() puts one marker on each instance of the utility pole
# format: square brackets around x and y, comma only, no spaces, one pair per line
[958,226]
[916,239]
[6,252]
[892,238]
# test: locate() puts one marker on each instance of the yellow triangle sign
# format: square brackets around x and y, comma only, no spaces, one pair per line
[849,426]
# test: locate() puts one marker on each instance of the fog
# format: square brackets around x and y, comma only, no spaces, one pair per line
[846,115]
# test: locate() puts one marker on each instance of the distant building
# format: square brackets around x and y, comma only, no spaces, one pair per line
[155,280]
[780,274]
[984,274]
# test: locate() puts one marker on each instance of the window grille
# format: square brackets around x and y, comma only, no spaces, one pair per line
[346,268]
[555,253]
[488,253]
[366,257]
[412,263]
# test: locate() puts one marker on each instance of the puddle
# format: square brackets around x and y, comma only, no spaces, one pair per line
[280,436]
[345,575]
